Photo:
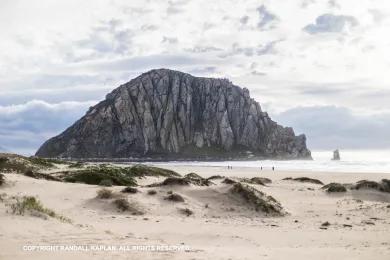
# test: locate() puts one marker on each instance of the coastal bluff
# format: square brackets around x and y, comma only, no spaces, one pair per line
[167,114]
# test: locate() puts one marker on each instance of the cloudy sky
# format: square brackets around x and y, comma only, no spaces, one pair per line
[317,65]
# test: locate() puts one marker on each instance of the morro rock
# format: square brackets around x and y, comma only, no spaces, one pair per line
[166,114]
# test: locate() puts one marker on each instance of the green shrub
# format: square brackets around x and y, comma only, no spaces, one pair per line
[304,179]
[215,177]
[140,170]
[95,174]
[106,183]
[334,187]
[120,176]
[21,164]
[46,163]
[196,179]
[38,175]
[13,165]
[76,165]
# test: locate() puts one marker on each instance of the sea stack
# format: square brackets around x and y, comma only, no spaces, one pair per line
[166,114]
[336,155]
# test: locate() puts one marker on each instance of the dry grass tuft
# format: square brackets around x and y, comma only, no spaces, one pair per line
[105,194]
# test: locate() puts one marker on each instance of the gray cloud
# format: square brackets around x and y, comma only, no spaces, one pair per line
[377,15]
[262,49]
[176,7]
[330,127]
[268,48]
[204,71]
[333,4]
[142,63]
[107,38]
[55,88]
[26,126]
[173,10]
[330,23]
[202,49]
[266,18]
[244,20]
[247,51]
[136,10]
[306,3]
[149,27]
[107,74]
[258,73]
[323,90]
[169,40]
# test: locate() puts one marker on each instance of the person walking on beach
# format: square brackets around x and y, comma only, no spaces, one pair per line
[273,168]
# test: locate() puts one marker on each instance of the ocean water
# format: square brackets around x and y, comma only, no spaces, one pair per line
[351,161]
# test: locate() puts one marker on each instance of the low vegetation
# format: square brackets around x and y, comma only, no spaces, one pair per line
[258,200]
[215,177]
[103,174]
[129,190]
[186,211]
[3,196]
[32,205]
[191,178]
[171,181]
[119,176]
[38,175]
[261,179]
[382,186]
[94,175]
[256,180]
[197,179]
[106,183]
[76,165]
[105,194]
[44,163]
[2,179]
[14,164]
[305,179]
[174,197]
[123,204]
[152,192]
[229,181]
[140,170]
[334,187]
[21,164]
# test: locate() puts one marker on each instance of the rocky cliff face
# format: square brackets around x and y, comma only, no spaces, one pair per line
[172,115]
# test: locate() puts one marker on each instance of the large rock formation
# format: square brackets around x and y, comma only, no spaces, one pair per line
[168,114]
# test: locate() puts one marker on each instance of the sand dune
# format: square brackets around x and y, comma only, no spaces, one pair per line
[222,226]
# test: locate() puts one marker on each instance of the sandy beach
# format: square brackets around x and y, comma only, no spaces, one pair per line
[219,228]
